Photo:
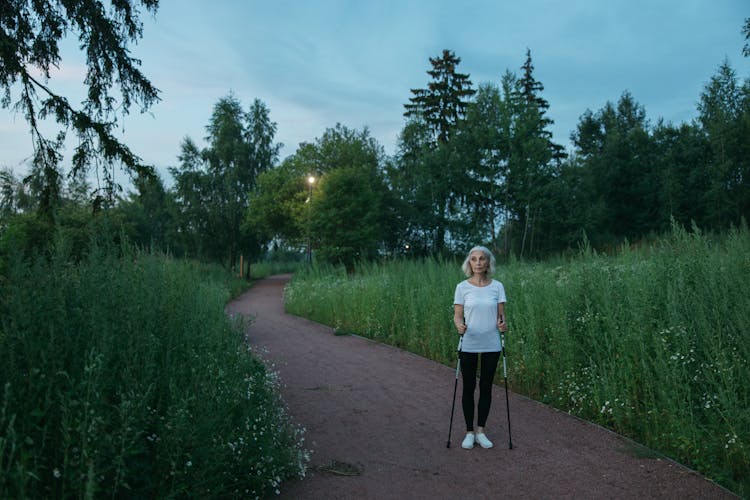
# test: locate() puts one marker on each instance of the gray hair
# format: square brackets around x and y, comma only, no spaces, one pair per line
[466,267]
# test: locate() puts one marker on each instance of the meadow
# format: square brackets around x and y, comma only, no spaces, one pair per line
[122,376]
[651,341]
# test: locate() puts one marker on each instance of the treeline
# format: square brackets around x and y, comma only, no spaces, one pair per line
[472,165]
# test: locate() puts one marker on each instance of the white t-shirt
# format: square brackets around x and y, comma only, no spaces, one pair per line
[480,315]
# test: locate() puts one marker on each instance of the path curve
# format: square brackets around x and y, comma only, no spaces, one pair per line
[386,412]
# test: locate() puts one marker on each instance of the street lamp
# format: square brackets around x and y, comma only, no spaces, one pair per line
[310,182]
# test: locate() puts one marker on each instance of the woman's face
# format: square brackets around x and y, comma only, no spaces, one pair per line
[478,262]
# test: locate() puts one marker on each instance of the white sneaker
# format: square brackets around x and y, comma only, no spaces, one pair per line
[468,442]
[483,441]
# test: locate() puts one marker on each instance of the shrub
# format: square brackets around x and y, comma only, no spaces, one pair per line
[123,376]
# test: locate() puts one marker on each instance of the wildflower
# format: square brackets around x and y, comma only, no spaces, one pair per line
[731,440]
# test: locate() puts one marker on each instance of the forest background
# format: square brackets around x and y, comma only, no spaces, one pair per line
[473,165]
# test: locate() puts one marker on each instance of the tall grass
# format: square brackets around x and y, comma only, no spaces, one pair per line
[123,377]
[406,303]
[652,342]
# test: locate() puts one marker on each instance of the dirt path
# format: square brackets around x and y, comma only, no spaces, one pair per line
[385,412]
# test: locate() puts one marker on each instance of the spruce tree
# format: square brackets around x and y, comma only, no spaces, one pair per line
[443,103]
[534,157]
[724,114]
[440,107]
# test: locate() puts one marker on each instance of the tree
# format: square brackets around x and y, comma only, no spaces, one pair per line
[443,103]
[213,185]
[280,206]
[14,196]
[276,205]
[231,176]
[572,207]
[433,114]
[529,93]
[148,215]
[346,216]
[746,32]
[683,164]
[192,185]
[259,135]
[724,113]
[534,159]
[411,177]
[340,146]
[615,147]
[481,146]
[30,32]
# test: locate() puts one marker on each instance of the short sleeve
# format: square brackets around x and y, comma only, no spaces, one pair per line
[501,293]
[458,297]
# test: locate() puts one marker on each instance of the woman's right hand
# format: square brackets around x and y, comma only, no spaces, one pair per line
[458,318]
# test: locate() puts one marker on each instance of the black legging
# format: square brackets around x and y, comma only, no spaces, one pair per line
[469,362]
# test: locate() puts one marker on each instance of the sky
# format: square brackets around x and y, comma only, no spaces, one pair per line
[323,62]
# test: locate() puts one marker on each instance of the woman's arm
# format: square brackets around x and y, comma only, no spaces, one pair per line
[501,324]
[458,318]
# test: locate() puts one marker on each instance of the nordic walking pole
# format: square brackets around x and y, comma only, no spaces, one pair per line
[505,376]
[455,386]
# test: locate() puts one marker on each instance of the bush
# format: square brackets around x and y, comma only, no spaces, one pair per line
[122,376]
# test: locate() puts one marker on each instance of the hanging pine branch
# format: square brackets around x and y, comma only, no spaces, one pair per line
[30,33]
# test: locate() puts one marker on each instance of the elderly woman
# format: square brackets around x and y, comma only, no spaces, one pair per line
[478,313]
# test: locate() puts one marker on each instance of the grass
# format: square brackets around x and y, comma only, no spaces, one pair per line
[651,342]
[122,376]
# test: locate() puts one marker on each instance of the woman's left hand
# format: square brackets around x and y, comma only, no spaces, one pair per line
[502,325]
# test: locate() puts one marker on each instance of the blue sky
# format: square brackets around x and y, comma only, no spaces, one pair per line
[318,63]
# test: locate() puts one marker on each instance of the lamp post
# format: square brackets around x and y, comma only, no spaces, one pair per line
[310,182]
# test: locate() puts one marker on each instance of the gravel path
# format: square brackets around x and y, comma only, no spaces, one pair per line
[376,421]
